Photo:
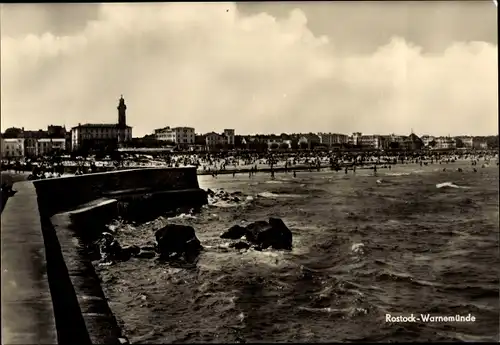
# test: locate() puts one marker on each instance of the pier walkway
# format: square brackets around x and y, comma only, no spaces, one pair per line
[27,311]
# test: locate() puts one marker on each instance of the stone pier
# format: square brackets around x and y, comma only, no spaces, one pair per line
[50,290]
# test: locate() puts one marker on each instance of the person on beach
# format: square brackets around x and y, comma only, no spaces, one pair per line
[294,173]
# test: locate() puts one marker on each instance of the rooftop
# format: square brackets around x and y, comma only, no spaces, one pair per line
[99,125]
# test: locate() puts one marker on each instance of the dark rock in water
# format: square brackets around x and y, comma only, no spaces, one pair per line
[239,245]
[210,192]
[273,234]
[237,193]
[236,199]
[109,248]
[177,240]
[234,233]
[148,248]
[145,254]
[133,250]
[255,227]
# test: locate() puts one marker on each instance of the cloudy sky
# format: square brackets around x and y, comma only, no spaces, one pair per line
[374,67]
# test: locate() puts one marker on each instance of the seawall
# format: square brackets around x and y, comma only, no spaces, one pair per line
[50,290]
[65,193]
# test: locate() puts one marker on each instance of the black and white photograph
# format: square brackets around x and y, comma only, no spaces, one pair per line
[249,172]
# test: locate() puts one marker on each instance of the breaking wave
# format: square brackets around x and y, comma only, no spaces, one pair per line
[449,185]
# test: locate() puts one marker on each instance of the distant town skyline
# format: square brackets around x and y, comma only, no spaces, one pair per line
[261,68]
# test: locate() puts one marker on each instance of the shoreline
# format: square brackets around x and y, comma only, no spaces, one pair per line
[263,168]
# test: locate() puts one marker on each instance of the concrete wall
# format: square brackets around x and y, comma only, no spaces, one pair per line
[65,193]
[49,287]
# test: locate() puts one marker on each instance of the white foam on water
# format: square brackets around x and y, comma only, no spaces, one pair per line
[450,185]
[397,174]
[267,257]
[225,204]
[183,216]
[270,195]
[357,248]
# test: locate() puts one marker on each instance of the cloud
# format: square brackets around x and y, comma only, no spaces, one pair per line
[210,67]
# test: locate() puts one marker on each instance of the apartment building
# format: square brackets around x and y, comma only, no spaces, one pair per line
[177,135]
[330,139]
[12,147]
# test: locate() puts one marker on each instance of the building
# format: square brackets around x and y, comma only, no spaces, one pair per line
[12,147]
[394,141]
[229,133]
[445,143]
[427,140]
[355,138]
[54,131]
[91,136]
[330,139]
[373,142]
[413,142]
[46,146]
[176,135]
[31,139]
[214,139]
[470,142]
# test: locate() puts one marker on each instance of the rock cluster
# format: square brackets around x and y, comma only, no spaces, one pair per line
[179,241]
[222,195]
[111,251]
[261,234]
[172,241]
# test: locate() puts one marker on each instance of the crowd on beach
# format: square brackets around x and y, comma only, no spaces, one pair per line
[246,162]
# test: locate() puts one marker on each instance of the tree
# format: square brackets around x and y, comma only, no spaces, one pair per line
[12,132]
[303,146]
[432,143]
[284,146]
[274,146]
[492,141]
[459,143]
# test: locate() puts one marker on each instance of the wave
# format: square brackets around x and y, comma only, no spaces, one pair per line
[341,311]
[357,248]
[182,216]
[450,185]
[270,195]
[397,174]
[217,202]
[275,181]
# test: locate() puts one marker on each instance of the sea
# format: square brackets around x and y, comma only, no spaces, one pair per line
[410,240]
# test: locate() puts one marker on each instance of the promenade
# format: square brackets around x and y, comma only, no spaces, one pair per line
[27,311]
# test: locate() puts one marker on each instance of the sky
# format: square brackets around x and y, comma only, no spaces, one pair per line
[370,67]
